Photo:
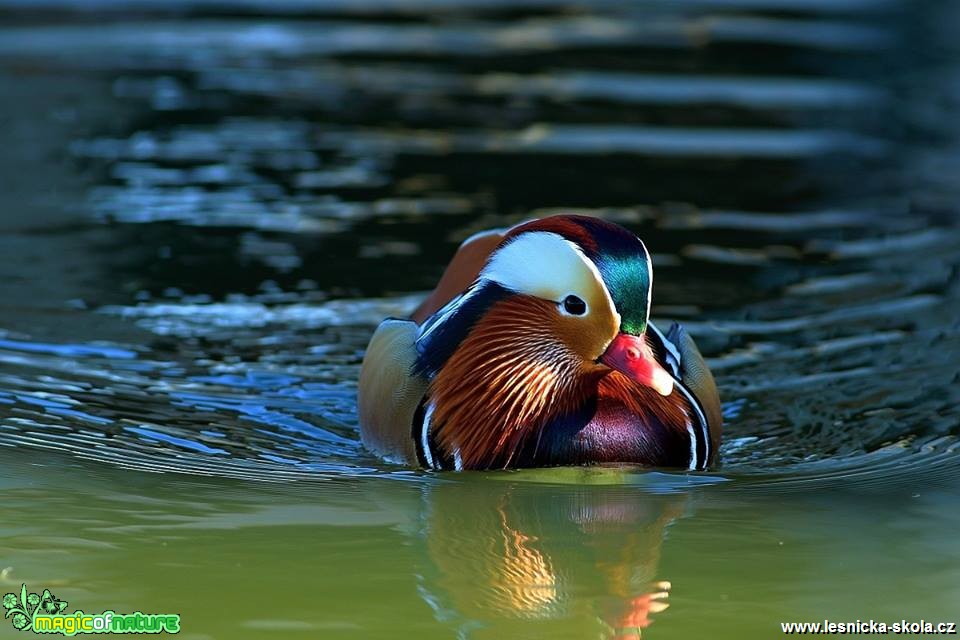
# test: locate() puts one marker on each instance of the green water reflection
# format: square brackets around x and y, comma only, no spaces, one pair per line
[484,556]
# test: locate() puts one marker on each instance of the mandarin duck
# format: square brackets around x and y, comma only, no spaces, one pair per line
[536,349]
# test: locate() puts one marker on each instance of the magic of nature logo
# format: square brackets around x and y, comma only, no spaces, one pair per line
[44,613]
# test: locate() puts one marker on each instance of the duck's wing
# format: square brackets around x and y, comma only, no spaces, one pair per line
[460,273]
[682,355]
[389,392]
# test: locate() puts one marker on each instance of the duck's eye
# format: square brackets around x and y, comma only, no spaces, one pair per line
[574,305]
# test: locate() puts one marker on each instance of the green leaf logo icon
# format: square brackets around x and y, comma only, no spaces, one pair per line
[25,609]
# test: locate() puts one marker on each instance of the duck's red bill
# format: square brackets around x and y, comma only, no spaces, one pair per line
[633,357]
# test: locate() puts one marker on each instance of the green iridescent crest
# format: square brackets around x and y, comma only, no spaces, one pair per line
[628,280]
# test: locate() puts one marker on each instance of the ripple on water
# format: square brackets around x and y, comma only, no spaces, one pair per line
[291,414]
[288,412]
[770,189]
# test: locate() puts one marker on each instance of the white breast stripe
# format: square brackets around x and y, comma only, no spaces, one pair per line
[424,436]
[674,362]
[447,310]
[704,430]
[673,353]
[693,448]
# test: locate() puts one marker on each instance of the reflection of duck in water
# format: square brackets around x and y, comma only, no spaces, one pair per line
[532,560]
[535,350]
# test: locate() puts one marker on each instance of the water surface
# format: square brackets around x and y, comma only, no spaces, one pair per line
[208,208]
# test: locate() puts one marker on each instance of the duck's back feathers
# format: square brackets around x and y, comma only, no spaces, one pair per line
[388,392]
[460,273]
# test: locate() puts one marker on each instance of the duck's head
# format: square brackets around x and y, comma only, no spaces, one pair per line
[560,303]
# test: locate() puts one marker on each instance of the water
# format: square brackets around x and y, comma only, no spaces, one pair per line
[206,211]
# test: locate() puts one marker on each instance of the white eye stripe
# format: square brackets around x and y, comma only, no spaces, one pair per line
[537,263]
[545,264]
